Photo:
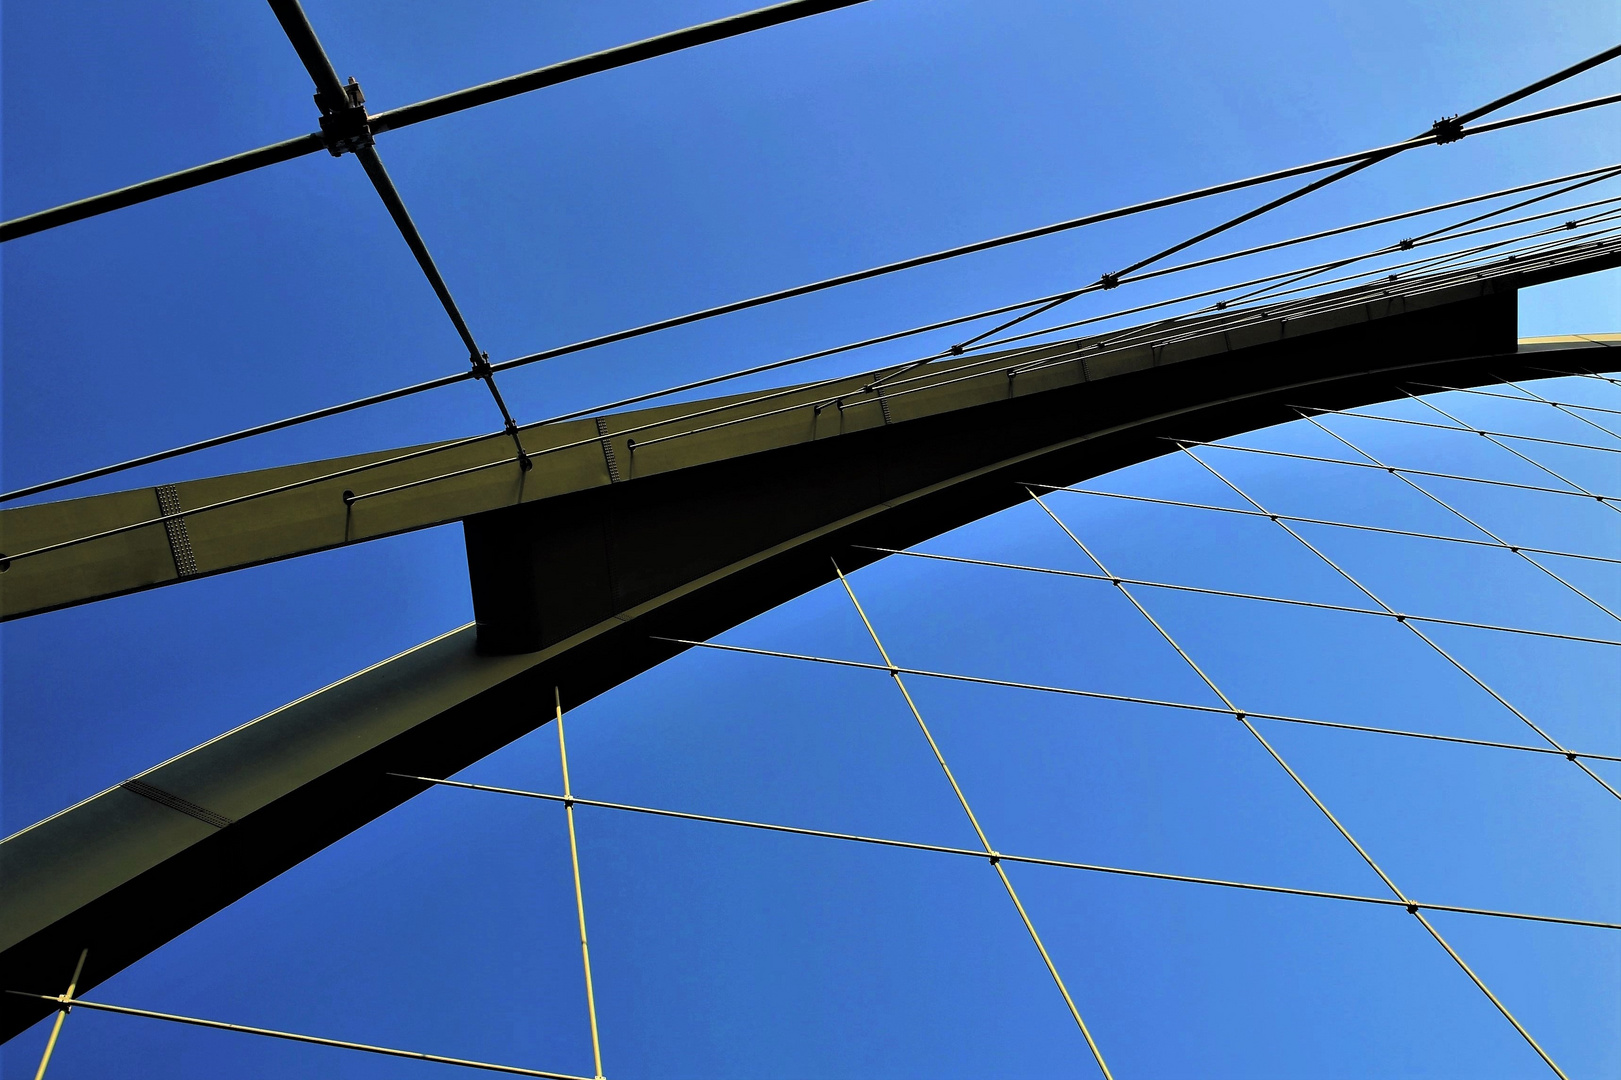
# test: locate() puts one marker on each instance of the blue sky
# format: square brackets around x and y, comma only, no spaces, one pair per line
[892,129]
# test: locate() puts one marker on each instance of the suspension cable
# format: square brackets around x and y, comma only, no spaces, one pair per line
[1382,612]
[1409,623]
[1502,544]
[405,115]
[1459,514]
[1412,908]
[1607,172]
[1002,856]
[990,853]
[579,893]
[1496,439]
[1394,469]
[1130,699]
[342,1044]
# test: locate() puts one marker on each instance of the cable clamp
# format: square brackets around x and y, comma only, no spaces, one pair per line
[1571,756]
[955,350]
[995,857]
[1407,244]
[1221,305]
[1571,224]
[481,366]
[1109,281]
[1448,129]
[345,127]
[1412,909]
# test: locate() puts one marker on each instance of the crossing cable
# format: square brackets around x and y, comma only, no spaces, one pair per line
[1410,624]
[1516,397]
[1412,908]
[1503,545]
[1456,425]
[1399,616]
[1460,515]
[62,1011]
[1402,245]
[315,1040]
[1398,469]
[1130,699]
[1446,130]
[1564,409]
[1495,439]
[405,115]
[1600,378]
[1214,318]
[344,121]
[1608,172]
[579,894]
[1201,325]
[1002,856]
[990,853]
[351,498]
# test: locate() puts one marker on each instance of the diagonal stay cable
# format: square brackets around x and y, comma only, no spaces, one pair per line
[1382,612]
[1516,397]
[1562,408]
[1456,425]
[405,115]
[1446,130]
[449,380]
[339,105]
[1503,545]
[990,853]
[993,365]
[579,893]
[1211,317]
[1130,699]
[350,498]
[1399,469]
[1407,622]
[1457,513]
[1124,276]
[1496,439]
[1412,908]
[1002,856]
[342,1044]
[1599,377]
[1459,425]
[594,438]
[61,1015]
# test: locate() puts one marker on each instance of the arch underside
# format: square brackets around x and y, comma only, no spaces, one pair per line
[575,587]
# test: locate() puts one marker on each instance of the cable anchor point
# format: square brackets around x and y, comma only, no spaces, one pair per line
[1448,129]
[345,127]
[1110,281]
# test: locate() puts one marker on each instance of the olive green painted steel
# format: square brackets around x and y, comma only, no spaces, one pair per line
[570,458]
[711,530]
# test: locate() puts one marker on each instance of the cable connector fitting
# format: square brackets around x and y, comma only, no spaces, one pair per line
[1448,129]
[345,127]
[955,350]
[481,366]
[1407,244]
[1110,281]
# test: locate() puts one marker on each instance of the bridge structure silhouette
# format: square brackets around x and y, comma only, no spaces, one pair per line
[603,542]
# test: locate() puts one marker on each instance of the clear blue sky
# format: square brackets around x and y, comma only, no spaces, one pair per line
[854,138]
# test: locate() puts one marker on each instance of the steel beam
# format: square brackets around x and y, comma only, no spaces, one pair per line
[575,572]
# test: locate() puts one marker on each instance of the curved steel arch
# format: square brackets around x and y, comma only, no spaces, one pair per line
[579,568]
